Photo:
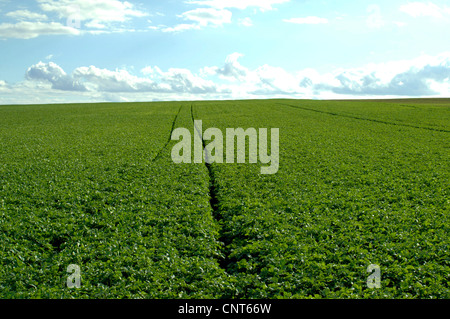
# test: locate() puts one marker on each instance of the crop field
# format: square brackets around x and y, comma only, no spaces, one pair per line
[362,182]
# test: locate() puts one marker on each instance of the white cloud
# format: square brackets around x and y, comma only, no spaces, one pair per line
[307,20]
[26,15]
[276,79]
[48,82]
[98,11]
[263,5]
[396,78]
[420,9]
[232,69]
[201,17]
[183,81]
[246,22]
[151,71]
[28,30]
[54,74]
[424,76]
[94,79]
[207,16]
[97,15]
[33,92]
[104,80]
[264,80]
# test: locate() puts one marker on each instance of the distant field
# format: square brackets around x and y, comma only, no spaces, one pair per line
[359,183]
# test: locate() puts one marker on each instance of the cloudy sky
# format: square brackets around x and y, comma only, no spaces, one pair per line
[111,50]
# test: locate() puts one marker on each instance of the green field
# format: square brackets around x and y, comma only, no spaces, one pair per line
[359,183]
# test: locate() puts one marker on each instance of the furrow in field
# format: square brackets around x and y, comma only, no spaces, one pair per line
[364,118]
[170,132]
[214,202]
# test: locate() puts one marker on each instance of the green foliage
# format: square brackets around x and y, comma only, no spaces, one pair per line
[82,185]
[360,183]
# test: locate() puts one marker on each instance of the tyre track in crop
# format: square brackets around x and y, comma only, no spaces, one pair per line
[365,119]
[170,135]
[214,202]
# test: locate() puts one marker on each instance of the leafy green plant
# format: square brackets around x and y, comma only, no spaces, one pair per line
[359,183]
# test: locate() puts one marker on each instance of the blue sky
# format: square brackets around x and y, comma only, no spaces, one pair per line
[111,50]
